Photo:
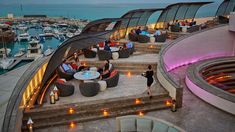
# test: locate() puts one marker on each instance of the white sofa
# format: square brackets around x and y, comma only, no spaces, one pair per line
[135,123]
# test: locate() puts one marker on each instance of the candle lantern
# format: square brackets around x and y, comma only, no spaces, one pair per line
[52,97]
[55,90]
[173,106]
[30,125]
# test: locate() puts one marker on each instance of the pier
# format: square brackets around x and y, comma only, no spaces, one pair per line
[18,60]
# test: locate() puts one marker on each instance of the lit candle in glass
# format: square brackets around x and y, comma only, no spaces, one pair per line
[55,90]
[52,97]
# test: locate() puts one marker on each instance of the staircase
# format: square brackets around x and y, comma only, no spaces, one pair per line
[93,110]
[125,67]
[148,47]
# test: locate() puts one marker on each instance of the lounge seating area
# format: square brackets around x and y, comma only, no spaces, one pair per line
[147,36]
[134,123]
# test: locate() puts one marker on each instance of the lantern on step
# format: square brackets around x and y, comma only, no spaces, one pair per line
[173,106]
[30,125]
[52,97]
[55,90]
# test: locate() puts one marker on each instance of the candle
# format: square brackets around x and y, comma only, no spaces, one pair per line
[55,90]
[52,97]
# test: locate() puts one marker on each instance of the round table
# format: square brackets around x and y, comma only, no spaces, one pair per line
[114,49]
[86,75]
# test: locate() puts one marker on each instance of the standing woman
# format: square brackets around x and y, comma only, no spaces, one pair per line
[149,75]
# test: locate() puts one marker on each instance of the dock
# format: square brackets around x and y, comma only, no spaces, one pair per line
[18,60]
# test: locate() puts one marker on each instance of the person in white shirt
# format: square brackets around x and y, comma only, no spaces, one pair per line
[157,32]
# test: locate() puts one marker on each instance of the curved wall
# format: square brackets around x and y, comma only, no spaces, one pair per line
[217,42]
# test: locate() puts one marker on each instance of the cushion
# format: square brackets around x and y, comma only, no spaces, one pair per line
[128,125]
[101,44]
[160,127]
[112,44]
[103,85]
[115,55]
[66,67]
[74,66]
[61,80]
[144,125]
[129,45]
[172,129]
[113,73]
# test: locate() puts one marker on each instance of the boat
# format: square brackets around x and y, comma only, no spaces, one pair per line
[48,32]
[77,32]
[69,35]
[22,27]
[4,51]
[49,51]
[61,37]
[6,62]
[34,49]
[20,53]
[24,37]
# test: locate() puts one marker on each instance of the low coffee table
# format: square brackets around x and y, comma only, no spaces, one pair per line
[86,75]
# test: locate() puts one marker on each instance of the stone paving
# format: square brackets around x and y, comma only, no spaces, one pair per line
[127,86]
[8,82]
[195,116]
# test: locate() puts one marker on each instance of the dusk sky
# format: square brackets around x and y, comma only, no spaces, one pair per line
[92,1]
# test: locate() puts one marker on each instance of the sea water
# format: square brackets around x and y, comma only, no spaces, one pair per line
[91,11]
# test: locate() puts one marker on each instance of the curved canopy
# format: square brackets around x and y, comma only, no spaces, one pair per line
[180,11]
[226,7]
[100,25]
[69,47]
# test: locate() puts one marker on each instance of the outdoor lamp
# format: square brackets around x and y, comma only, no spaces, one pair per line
[173,106]
[52,97]
[30,125]
[55,90]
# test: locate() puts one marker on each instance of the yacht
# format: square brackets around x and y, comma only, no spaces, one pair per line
[24,36]
[48,32]
[69,35]
[6,62]
[22,27]
[4,51]
[20,53]
[34,49]
[61,37]
[49,51]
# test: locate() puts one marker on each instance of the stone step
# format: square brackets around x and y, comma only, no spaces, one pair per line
[92,111]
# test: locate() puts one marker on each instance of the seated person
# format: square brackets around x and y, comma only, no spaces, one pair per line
[138,31]
[106,46]
[106,73]
[133,32]
[108,65]
[129,45]
[158,32]
[177,23]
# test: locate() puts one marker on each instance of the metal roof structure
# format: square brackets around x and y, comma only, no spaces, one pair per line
[100,25]
[69,47]
[180,11]
[225,8]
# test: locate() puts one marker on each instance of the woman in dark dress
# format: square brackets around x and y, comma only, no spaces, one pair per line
[149,75]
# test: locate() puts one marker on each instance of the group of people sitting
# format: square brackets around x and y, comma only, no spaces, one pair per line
[74,65]
[184,23]
[127,45]
[145,31]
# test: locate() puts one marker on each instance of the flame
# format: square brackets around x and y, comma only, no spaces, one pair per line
[137,101]
[105,113]
[141,113]
[129,74]
[71,110]
[72,125]
[168,103]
